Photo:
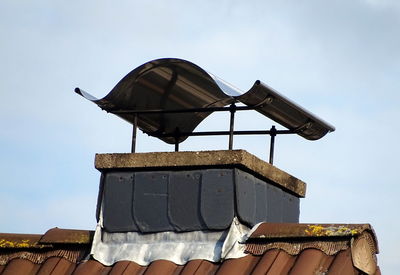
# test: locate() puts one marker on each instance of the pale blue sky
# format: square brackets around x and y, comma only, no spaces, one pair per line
[339,59]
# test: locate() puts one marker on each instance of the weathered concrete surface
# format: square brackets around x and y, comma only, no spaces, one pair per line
[204,159]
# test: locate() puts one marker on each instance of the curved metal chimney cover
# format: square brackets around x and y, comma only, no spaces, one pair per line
[176,84]
[284,111]
[166,84]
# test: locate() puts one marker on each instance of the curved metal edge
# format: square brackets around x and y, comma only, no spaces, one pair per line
[85,95]
[228,89]
[225,89]
[221,93]
[263,98]
[279,108]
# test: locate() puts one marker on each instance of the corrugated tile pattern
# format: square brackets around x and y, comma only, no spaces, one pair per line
[72,254]
[275,261]
[271,261]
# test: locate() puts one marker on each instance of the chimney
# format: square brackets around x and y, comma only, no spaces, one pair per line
[173,199]
[189,191]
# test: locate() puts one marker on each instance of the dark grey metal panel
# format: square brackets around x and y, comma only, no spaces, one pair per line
[179,201]
[117,202]
[284,111]
[217,198]
[100,197]
[166,84]
[150,205]
[184,201]
[261,201]
[176,84]
[291,208]
[274,201]
[245,197]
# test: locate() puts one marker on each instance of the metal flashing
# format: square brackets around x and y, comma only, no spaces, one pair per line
[178,248]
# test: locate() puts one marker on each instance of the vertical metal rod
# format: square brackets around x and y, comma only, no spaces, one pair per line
[134,132]
[232,109]
[272,145]
[177,136]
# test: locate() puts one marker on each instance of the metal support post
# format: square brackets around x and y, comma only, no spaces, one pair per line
[232,109]
[134,132]
[177,136]
[272,144]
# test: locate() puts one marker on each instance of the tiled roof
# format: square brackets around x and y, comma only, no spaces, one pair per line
[272,249]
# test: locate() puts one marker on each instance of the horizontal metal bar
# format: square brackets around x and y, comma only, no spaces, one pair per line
[222,133]
[193,110]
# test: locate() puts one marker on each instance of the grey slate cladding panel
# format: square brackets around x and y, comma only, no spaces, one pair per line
[100,197]
[217,198]
[184,201]
[291,208]
[150,202]
[260,188]
[245,196]
[117,204]
[274,207]
[207,199]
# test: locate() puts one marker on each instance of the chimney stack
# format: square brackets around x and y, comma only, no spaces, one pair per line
[189,191]
[197,205]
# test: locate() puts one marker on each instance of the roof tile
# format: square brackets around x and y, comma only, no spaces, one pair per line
[342,265]
[270,261]
[127,267]
[67,236]
[244,265]
[20,240]
[298,230]
[91,267]
[282,264]
[161,267]
[197,267]
[312,261]
[266,262]
[21,266]
[56,265]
